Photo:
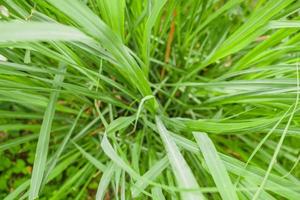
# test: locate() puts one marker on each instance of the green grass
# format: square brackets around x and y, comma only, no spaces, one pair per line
[158,99]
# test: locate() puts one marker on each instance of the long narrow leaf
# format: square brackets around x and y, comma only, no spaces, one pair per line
[40,160]
[105,180]
[151,174]
[216,166]
[38,31]
[183,173]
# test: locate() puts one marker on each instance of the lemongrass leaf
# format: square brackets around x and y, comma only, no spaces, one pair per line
[216,166]
[43,141]
[184,176]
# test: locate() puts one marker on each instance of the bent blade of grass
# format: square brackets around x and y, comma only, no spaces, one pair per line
[182,171]
[216,166]
[38,31]
[140,109]
[40,160]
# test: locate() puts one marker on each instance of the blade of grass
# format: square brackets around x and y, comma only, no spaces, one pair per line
[90,158]
[40,160]
[280,142]
[151,174]
[157,194]
[263,141]
[105,180]
[158,5]
[53,161]
[181,170]
[216,166]
[14,142]
[94,26]
[110,152]
[38,31]
[284,24]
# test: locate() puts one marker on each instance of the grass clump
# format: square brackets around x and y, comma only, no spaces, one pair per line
[156,99]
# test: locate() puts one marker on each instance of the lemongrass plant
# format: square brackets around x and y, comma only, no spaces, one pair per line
[157,99]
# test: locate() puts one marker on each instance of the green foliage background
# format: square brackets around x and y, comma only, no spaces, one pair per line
[156,99]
